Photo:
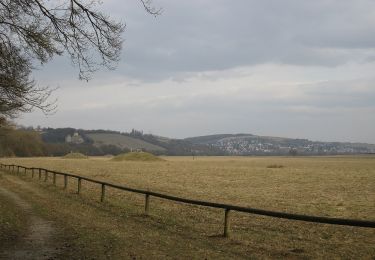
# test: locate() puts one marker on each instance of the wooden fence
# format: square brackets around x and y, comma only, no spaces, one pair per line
[17,169]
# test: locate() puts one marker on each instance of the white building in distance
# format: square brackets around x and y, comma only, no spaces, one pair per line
[75,139]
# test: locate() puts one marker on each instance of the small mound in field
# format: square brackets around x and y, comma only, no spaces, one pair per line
[75,156]
[137,156]
[275,166]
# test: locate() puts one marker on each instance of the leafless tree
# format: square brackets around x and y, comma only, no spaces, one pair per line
[17,92]
[37,30]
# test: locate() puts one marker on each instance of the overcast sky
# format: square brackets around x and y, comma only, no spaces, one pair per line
[286,68]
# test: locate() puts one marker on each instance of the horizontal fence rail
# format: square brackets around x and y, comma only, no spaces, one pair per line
[226,207]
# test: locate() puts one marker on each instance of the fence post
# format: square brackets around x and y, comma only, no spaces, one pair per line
[54,178]
[45,175]
[25,171]
[18,169]
[79,186]
[65,182]
[103,193]
[147,204]
[227,223]
[32,173]
[40,173]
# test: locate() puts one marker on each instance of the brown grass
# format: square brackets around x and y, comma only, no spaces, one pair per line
[13,223]
[324,186]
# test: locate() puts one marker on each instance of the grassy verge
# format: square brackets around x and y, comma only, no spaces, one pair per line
[87,229]
[13,223]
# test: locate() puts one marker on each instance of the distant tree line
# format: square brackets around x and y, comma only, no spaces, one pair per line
[26,142]
[21,143]
[29,141]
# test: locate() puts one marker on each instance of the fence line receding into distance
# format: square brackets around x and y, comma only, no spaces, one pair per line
[227,207]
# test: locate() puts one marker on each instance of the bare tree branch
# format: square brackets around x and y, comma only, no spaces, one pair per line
[37,30]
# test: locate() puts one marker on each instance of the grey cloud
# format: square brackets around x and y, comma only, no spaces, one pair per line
[195,36]
[358,93]
[206,35]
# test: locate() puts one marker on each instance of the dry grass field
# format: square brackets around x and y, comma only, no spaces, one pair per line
[322,186]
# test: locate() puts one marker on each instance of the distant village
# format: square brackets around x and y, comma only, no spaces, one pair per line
[248,146]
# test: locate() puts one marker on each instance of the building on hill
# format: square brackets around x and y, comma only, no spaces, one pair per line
[137,150]
[68,139]
[75,139]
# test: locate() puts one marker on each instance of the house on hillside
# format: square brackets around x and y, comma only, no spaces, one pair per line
[137,150]
[68,139]
[75,139]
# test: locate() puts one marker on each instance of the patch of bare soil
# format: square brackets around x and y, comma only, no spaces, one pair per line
[37,243]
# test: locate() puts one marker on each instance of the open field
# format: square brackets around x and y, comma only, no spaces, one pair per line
[323,186]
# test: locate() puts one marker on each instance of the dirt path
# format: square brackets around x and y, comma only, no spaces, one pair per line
[37,244]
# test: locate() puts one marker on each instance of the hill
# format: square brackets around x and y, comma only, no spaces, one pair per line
[75,156]
[137,156]
[209,139]
[247,144]
[60,141]
[123,142]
